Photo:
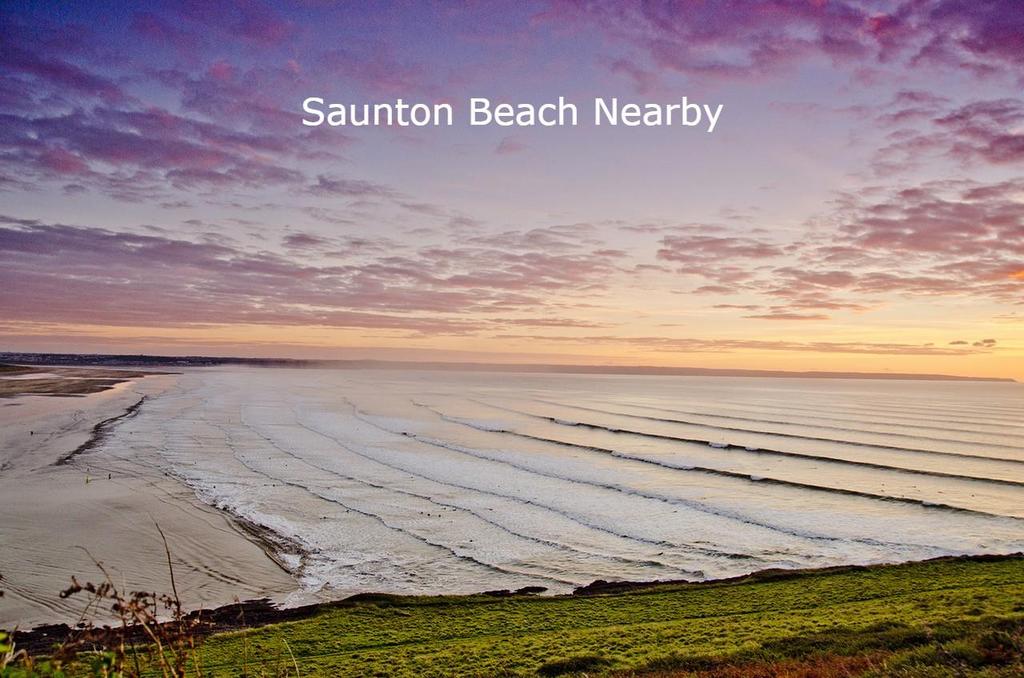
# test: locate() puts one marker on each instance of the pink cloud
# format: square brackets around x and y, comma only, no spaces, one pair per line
[510,145]
[154,280]
[783,315]
[939,239]
[695,249]
[663,344]
[352,188]
[752,38]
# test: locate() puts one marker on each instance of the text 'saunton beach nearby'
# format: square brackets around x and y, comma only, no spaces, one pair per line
[483,112]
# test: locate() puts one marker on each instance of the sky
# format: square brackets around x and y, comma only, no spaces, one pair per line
[859,206]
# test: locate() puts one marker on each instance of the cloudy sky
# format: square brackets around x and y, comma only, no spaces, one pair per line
[860,205]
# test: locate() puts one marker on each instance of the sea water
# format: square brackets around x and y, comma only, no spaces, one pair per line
[443,482]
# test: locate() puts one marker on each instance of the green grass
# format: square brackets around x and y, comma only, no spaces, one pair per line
[883,615]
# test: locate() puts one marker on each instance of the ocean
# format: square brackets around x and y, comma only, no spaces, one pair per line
[449,482]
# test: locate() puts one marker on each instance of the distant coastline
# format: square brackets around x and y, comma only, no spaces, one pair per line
[141,360]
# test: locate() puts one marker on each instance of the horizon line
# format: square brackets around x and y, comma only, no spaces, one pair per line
[142,359]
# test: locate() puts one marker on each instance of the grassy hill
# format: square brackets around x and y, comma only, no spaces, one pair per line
[944,617]
[866,613]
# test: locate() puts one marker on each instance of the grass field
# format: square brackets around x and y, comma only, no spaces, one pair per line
[949,617]
[862,613]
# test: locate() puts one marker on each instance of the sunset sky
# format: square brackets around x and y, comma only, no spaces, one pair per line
[859,207]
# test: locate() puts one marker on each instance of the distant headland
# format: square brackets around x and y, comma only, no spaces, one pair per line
[141,360]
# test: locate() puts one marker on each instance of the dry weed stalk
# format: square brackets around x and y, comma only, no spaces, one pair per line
[152,632]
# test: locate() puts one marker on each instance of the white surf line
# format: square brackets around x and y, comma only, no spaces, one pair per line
[780,453]
[945,415]
[731,474]
[529,502]
[782,434]
[476,514]
[810,421]
[690,504]
[373,516]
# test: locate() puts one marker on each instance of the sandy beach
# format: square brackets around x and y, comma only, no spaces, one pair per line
[304,485]
[56,517]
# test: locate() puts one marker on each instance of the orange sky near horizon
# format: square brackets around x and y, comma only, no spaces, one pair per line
[328,343]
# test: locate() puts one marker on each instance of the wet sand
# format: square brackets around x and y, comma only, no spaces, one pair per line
[20,380]
[60,509]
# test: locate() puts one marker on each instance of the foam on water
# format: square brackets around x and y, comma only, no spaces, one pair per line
[433,482]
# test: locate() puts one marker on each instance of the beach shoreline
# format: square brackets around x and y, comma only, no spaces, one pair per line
[67,504]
